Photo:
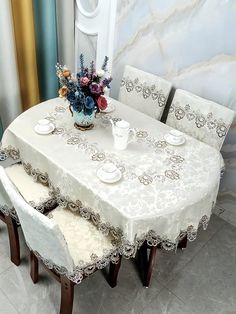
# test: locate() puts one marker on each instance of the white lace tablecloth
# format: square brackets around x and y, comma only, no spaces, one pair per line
[166,192]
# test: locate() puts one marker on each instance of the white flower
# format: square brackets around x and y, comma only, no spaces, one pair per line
[100,73]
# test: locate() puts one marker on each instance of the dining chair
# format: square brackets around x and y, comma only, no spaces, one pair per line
[203,119]
[33,192]
[70,247]
[144,91]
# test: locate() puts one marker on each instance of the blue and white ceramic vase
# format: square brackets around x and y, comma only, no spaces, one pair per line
[83,121]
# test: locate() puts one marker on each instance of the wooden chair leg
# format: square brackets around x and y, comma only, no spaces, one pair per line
[113,273]
[13,240]
[67,295]
[183,243]
[34,267]
[149,266]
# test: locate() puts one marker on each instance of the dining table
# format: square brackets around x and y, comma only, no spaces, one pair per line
[166,191]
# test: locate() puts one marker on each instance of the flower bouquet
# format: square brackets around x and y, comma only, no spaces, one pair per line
[84,91]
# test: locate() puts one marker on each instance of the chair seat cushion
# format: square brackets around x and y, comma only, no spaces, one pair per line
[84,240]
[33,192]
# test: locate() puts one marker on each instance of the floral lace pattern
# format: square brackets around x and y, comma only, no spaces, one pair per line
[46,205]
[9,152]
[143,88]
[200,120]
[124,247]
[82,270]
[79,141]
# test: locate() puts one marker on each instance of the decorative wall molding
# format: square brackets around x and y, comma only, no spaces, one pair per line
[101,23]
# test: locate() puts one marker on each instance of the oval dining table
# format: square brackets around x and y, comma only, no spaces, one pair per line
[166,192]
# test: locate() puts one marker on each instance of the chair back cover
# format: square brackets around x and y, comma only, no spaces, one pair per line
[203,119]
[144,91]
[41,234]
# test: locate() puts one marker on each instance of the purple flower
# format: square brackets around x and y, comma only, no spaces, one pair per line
[95,88]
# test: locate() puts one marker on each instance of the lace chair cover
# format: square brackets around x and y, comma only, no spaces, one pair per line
[5,203]
[144,91]
[42,235]
[34,193]
[203,119]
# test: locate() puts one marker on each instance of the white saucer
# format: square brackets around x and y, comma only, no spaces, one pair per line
[116,178]
[41,132]
[169,140]
[110,107]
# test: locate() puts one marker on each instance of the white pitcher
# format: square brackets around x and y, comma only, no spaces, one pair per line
[122,134]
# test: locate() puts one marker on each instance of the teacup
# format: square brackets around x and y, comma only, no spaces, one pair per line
[44,125]
[109,171]
[176,136]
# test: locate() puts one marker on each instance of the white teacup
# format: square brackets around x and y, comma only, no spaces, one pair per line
[109,171]
[44,125]
[176,136]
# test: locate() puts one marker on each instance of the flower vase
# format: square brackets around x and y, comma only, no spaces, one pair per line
[83,121]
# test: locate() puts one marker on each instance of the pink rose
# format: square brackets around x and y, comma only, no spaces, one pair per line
[102,103]
[84,81]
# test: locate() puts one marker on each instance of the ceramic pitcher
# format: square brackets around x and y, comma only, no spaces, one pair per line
[122,134]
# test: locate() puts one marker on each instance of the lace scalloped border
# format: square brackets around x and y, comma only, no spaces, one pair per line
[125,248]
[82,270]
[128,251]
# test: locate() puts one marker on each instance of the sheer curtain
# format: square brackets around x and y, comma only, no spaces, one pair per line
[33,34]
[10,98]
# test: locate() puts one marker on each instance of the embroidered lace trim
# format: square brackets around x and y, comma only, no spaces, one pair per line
[125,248]
[96,154]
[82,270]
[143,88]
[199,119]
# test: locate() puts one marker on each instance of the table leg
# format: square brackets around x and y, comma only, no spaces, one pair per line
[183,243]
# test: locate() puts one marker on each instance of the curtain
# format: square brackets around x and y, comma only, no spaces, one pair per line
[26,54]
[46,47]
[66,33]
[33,34]
[10,98]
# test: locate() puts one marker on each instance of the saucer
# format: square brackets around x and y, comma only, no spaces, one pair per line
[116,178]
[110,107]
[169,140]
[41,132]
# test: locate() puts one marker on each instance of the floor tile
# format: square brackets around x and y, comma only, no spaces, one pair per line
[227,202]
[5,306]
[165,302]
[208,283]
[169,264]
[94,295]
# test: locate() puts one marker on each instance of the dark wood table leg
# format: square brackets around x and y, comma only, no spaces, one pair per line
[183,243]
[13,240]
[67,295]
[150,265]
[143,260]
[34,267]
[113,273]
